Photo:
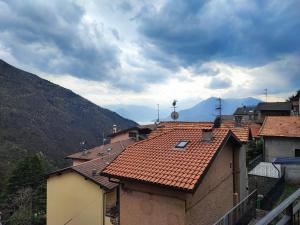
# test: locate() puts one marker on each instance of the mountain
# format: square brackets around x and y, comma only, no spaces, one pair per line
[206,110]
[37,115]
[141,114]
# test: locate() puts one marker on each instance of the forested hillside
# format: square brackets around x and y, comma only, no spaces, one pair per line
[39,116]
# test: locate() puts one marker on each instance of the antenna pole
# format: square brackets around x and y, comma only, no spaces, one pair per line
[158,113]
[219,108]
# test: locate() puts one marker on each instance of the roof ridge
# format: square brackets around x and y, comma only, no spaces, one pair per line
[151,138]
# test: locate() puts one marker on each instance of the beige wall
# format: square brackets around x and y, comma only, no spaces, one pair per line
[149,204]
[71,196]
[139,206]
[214,196]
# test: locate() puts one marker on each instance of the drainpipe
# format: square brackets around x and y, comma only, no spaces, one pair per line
[103,207]
[235,197]
[279,175]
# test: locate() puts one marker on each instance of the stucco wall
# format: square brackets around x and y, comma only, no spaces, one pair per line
[149,204]
[276,147]
[140,206]
[71,196]
[214,196]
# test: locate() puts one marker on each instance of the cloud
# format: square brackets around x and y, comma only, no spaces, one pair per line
[156,50]
[240,32]
[220,83]
[57,39]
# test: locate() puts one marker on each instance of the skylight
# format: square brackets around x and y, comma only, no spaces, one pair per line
[181,144]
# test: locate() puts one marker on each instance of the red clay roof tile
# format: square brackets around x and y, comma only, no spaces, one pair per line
[166,165]
[281,126]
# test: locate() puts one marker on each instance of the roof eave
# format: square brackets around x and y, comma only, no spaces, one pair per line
[70,169]
[121,178]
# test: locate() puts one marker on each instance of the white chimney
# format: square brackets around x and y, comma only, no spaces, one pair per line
[94,172]
[207,134]
[114,130]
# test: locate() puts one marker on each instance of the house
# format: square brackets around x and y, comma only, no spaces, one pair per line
[99,151]
[281,136]
[240,130]
[264,109]
[295,100]
[79,195]
[180,176]
[245,114]
[137,133]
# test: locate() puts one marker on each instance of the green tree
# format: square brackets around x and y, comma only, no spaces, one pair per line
[26,191]
[294,96]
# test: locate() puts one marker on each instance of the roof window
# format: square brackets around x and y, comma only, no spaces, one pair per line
[181,144]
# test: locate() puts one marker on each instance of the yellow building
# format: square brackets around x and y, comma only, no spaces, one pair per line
[78,195]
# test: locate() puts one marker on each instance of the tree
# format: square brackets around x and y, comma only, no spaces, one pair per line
[294,96]
[26,191]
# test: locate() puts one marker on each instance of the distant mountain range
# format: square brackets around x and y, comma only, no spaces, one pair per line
[203,111]
[37,115]
[206,110]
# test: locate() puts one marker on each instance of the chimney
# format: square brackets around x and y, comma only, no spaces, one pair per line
[114,129]
[94,172]
[207,134]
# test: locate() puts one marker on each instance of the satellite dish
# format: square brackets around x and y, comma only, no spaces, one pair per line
[174,115]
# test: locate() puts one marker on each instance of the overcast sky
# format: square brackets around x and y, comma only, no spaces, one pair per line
[148,52]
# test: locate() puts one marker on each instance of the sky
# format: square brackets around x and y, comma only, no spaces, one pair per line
[140,52]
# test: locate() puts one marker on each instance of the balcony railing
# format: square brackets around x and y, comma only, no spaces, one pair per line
[242,213]
[288,212]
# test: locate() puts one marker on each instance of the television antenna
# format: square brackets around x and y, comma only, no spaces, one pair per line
[219,108]
[157,113]
[174,114]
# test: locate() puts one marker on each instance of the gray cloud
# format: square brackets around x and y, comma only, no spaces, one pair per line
[50,36]
[247,33]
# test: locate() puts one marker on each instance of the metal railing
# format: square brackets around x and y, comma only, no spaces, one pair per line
[242,213]
[288,212]
[254,162]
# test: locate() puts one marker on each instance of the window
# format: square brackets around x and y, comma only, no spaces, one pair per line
[181,144]
[297,152]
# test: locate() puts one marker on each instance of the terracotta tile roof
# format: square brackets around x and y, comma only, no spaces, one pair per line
[86,169]
[100,151]
[254,127]
[169,125]
[243,132]
[157,161]
[281,126]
